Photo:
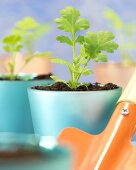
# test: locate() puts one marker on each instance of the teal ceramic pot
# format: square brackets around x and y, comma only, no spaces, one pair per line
[54,110]
[15,116]
[47,156]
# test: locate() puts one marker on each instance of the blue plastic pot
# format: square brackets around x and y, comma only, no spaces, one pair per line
[54,110]
[15,116]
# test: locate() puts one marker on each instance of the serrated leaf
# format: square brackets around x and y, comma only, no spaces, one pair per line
[18,48]
[63,62]
[7,48]
[101,57]
[82,24]
[70,13]
[114,19]
[64,39]
[80,39]
[12,40]
[105,41]
[27,23]
[87,72]
[95,43]
[63,24]
[70,20]
[83,52]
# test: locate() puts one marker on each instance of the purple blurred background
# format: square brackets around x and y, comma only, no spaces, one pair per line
[47,10]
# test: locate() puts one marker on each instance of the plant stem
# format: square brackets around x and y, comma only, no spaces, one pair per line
[85,65]
[74,83]
[12,65]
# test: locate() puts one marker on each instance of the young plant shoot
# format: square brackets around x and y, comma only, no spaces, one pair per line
[125,34]
[23,35]
[93,46]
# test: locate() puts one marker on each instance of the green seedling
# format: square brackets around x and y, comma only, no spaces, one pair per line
[25,33]
[125,35]
[93,46]
[30,31]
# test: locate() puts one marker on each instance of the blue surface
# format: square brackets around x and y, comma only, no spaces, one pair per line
[15,113]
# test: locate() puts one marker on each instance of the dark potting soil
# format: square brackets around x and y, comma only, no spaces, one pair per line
[27,78]
[43,76]
[60,86]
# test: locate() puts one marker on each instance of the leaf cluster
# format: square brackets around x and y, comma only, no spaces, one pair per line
[23,35]
[125,35]
[12,43]
[30,31]
[93,46]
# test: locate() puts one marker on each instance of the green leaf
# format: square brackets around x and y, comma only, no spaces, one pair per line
[7,48]
[63,24]
[87,72]
[106,42]
[114,19]
[82,24]
[80,39]
[83,52]
[101,57]
[43,55]
[64,39]
[95,43]
[70,21]
[56,79]
[70,13]
[28,23]
[30,31]
[12,43]
[12,40]
[18,48]
[63,62]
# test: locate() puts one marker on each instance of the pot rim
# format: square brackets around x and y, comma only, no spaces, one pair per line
[74,92]
[24,75]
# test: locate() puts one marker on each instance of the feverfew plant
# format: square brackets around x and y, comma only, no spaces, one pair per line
[93,46]
[125,35]
[30,31]
[23,35]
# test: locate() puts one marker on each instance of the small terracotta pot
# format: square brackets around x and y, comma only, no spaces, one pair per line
[36,65]
[113,72]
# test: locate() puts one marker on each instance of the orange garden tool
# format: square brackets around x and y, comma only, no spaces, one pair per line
[112,149]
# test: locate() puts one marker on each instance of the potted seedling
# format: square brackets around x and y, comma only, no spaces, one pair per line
[14,105]
[30,32]
[112,71]
[83,105]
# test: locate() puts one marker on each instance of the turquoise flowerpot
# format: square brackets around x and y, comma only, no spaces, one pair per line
[15,116]
[54,110]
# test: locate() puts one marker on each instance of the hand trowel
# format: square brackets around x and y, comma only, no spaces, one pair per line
[112,149]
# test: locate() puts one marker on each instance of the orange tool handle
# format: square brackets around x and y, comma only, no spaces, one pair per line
[112,149]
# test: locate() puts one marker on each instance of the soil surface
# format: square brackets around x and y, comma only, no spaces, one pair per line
[19,78]
[43,76]
[60,86]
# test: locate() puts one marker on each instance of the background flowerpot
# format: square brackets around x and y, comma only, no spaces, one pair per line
[15,114]
[90,111]
[37,65]
[113,72]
